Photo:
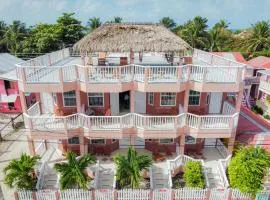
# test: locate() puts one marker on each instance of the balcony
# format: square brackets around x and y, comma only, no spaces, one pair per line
[131,77]
[145,126]
[265,85]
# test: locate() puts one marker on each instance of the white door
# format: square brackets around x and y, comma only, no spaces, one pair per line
[139,143]
[47,102]
[215,102]
[140,102]
[125,142]
[114,103]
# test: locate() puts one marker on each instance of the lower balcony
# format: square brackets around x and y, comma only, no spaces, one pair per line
[144,126]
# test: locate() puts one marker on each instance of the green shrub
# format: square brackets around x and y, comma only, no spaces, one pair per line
[247,169]
[267,117]
[193,174]
[257,109]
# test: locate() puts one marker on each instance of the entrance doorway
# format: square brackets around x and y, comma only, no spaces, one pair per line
[124,102]
[47,103]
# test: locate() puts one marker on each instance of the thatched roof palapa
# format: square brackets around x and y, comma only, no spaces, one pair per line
[138,37]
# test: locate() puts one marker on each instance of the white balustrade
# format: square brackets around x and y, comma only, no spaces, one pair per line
[131,120]
[69,73]
[265,84]
[34,110]
[228,108]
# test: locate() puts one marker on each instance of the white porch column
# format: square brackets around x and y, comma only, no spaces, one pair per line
[182,144]
[186,98]
[78,101]
[82,146]
[239,100]
[132,101]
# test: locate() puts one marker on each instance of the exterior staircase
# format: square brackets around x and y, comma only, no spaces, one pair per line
[160,177]
[213,175]
[106,179]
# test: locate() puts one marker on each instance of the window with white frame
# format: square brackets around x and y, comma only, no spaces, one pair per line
[190,140]
[96,99]
[168,99]
[166,141]
[150,98]
[194,98]
[97,141]
[69,98]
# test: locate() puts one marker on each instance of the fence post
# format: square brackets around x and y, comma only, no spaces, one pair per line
[151,195]
[16,196]
[57,196]
[229,194]
[93,194]
[208,193]
[115,194]
[35,195]
[172,194]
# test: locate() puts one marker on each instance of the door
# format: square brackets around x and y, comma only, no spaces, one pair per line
[215,102]
[139,143]
[114,103]
[140,102]
[47,103]
[125,142]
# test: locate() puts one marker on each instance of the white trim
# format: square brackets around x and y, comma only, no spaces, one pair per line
[98,139]
[166,139]
[63,98]
[194,95]
[149,98]
[97,96]
[160,94]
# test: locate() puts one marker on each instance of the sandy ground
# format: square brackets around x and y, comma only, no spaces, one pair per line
[14,145]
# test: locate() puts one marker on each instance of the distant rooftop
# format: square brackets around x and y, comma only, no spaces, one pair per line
[7,62]
[260,62]
[236,56]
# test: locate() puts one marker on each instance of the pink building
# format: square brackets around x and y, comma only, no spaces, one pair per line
[131,84]
[9,91]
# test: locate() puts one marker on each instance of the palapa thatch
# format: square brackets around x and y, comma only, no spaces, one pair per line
[138,37]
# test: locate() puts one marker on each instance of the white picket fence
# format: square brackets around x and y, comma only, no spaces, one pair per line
[190,193]
[137,194]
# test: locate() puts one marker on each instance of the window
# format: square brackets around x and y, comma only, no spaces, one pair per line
[190,140]
[150,98]
[69,98]
[96,99]
[97,141]
[168,99]
[54,98]
[11,106]
[114,140]
[194,98]
[166,141]
[74,140]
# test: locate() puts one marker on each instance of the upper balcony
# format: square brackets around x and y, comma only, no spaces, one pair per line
[59,72]
[146,126]
[265,82]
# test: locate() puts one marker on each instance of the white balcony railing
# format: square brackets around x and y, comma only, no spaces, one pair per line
[265,84]
[131,120]
[128,73]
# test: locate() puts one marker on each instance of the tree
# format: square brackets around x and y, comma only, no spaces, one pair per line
[3,28]
[72,172]
[117,20]
[247,169]
[168,22]
[194,32]
[20,172]
[14,36]
[93,23]
[222,24]
[128,167]
[193,174]
[69,28]
[43,38]
[259,38]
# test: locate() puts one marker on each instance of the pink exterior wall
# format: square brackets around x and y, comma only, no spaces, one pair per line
[201,109]
[4,108]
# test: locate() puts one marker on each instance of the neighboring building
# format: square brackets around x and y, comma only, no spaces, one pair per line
[150,90]
[264,92]
[9,91]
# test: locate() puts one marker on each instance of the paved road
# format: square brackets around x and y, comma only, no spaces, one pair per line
[14,145]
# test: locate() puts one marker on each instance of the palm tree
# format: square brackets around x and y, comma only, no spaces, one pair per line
[215,40]
[72,172]
[168,22]
[94,23]
[128,168]
[14,35]
[259,38]
[194,32]
[117,20]
[20,172]
[222,24]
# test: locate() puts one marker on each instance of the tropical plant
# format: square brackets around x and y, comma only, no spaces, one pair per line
[72,172]
[248,168]
[193,174]
[14,35]
[93,23]
[128,168]
[20,172]
[168,22]
[259,38]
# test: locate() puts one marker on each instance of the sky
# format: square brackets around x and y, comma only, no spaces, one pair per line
[240,13]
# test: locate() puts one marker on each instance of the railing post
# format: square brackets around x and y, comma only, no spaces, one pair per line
[61,78]
[204,74]
[23,75]
[146,73]
[86,77]
[65,124]
[119,74]
[179,74]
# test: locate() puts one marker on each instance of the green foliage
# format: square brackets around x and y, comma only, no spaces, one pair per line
[247,169]
[193,174]
[257,109]
[168,22]
[267,117]
[72,173]
[20,172]
[93,23]
[128,168]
